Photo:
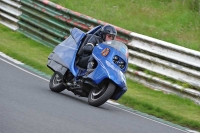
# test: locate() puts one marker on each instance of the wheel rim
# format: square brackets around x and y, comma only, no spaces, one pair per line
[97,93]
[57,80]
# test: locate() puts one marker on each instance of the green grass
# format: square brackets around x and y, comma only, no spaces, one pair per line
[173,21]
[161,105]
[177,22]
[28,51]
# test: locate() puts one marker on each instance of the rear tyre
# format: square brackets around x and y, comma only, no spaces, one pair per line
[98,97]
[56,83]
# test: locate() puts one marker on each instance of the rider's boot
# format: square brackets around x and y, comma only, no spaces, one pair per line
[89,69]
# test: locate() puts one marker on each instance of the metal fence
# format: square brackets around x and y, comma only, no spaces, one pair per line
[50,24]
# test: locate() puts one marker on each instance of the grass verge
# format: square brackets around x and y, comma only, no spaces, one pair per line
[175,21]
[138,97]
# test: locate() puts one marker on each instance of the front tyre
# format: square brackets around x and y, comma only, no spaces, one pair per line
[56,83]
[98,97]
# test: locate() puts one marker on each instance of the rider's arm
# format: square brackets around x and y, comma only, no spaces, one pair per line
[87,49]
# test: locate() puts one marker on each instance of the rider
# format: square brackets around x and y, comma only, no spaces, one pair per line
[107,33]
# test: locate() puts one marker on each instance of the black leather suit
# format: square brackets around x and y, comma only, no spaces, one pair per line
[85,52]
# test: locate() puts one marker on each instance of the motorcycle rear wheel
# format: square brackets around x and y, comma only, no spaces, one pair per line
[56,83]
[98,97]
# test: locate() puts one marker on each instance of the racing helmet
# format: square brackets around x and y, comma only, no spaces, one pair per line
[108,29]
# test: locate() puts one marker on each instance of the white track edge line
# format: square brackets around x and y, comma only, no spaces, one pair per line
[109,103]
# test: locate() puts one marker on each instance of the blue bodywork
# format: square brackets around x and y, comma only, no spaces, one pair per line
[64,55]
[68,48]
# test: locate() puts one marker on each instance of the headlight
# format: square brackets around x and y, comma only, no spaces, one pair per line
[115,59]
[118,61]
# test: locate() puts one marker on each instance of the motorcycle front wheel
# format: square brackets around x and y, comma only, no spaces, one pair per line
[56,83]
[98,97]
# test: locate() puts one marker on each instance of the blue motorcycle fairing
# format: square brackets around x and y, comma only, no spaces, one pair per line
[67,50]
[106,68]
[121,51]
[77,35]
[100,73]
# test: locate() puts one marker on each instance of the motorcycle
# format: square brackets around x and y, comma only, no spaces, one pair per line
[106,81]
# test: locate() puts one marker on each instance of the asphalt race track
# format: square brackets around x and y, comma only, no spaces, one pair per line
[28,106]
